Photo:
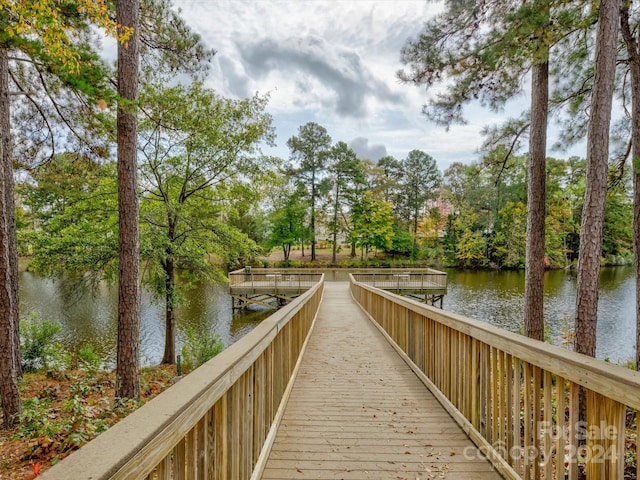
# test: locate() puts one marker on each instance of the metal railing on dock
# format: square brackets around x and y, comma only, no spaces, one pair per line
[424,285]
[270,279]
[405,279]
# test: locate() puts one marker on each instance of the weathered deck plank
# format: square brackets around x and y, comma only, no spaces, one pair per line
[356,410]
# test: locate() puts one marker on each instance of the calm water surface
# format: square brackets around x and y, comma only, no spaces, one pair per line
[495,297]
[498,298]
[91,317]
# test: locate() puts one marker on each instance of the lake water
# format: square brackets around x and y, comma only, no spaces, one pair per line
[498,298]
[495,297]
[91,317]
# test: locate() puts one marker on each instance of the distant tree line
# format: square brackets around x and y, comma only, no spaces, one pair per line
[469,216]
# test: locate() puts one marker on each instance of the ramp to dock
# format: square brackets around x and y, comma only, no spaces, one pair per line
[357,411]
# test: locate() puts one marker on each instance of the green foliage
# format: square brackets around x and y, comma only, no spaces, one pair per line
[82,420]
[199,347]
[62,80]
[35,420]
[420,181]
[89,360]
[509,240]
[73,204]
[42,350]
[169,45]
[617,237]
[39,344]
[199,162]
[471,250]
[291,264]
[387,177]
[478,221]
[401,243]
[482,53]
[201,167]
[373,224]
[288,220]
[347,172]
[57,421]
[487,227]
[310,150]
[559,227]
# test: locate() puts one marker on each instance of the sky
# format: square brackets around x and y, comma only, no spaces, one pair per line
[333,62]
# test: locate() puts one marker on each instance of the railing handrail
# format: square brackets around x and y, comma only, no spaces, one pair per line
[406,278]
[139,442]
[535,410]
[616,382]
[320,270]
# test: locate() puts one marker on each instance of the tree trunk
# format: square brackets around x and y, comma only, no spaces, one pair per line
[127,381]
[313,220]
[634,63]
[353,249]
[170,315]
[334,254]
[596,179]
[7,161]
[636,205]
[168,265]
[415,235]
[9,191]
[9,335]
[536,193]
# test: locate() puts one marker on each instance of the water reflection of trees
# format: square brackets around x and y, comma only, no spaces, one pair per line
[87,314]
[497,298]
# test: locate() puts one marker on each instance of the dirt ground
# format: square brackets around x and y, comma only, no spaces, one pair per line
[24,456]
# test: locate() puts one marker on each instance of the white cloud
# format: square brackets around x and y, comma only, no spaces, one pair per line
[333,62]
[363,149]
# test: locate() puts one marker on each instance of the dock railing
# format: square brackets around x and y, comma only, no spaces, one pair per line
[517,398]
[399,279]
[214,422]
[379,274]
[253,279]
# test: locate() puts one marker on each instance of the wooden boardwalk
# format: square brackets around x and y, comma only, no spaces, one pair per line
[357,411]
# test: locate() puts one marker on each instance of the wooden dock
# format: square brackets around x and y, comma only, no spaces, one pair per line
[357,411]
[273,288]
[268,288]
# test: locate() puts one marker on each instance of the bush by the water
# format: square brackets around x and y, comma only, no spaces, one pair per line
[199,347]
[39,343]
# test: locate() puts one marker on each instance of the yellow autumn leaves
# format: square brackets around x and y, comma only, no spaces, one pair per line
[45,20]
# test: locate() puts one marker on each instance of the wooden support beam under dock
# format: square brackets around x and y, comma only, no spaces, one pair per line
[268,288]
[356,410]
